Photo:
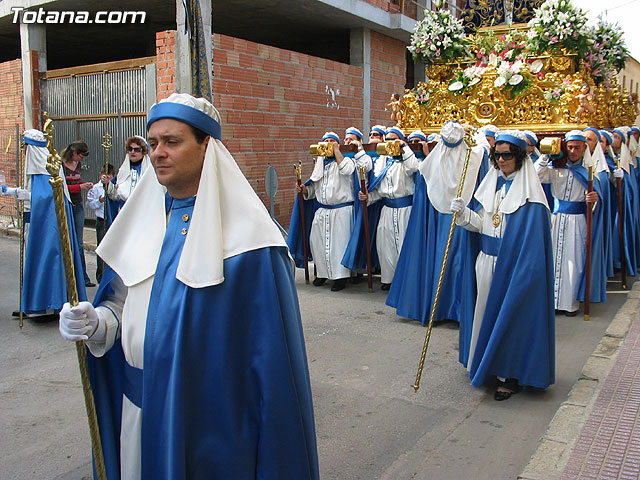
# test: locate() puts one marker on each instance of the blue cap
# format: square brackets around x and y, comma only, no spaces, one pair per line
[417,134]
[397,131]
[510,138]
[622,134]
[607,135]
[354,131]
[184,113]
[594,130]
[329,135]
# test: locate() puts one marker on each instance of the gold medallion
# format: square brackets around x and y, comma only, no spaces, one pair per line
[495,219]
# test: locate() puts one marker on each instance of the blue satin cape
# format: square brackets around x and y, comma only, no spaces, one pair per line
[44,286]
[516,340]
[226,391]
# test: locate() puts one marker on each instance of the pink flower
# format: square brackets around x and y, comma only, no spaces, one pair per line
[438,52]
[540,75]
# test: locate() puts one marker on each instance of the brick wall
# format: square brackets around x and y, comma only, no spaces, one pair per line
[11,113]
[275,102]
[388,74]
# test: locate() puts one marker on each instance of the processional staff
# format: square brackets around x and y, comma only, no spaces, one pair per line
[54,162]
[623,253]
[587,275]
[365,225]
[298,169]
[468,139]
[107,146]
[20,146]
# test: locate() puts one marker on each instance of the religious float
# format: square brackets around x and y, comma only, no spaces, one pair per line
[519,64]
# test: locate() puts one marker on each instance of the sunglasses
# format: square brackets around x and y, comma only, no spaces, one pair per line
[505,156]
[414,140]
[375,134]
[134,149]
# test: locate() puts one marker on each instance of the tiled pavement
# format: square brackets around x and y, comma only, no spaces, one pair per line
[608,446]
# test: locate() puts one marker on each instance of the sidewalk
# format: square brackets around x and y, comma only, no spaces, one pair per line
[595,433]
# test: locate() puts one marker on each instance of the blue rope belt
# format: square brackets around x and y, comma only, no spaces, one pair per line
[133,384]
[398,202]
[490,245]
[571,208]
[332,207]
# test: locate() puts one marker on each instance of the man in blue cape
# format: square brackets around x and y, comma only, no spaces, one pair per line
[569,226]
[44,286]
[199,368]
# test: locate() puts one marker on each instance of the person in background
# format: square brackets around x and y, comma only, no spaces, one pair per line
[72,157]
[96,201]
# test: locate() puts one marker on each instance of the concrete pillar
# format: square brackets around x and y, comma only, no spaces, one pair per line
[33,52]
[360,55]
[182,52]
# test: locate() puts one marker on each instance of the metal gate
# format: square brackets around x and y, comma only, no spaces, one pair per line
[87,102]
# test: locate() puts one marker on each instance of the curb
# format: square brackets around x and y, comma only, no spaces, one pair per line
[556,444]
[15,233]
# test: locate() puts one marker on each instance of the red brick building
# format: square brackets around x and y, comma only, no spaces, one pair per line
[276,94]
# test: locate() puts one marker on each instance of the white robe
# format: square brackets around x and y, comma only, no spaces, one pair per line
[569,236]
[127,179]
[392,226]
[331,228]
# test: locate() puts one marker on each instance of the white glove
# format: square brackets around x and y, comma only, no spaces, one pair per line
[81,322]
[457,205]
[17,193]
[543,160]
[618,173]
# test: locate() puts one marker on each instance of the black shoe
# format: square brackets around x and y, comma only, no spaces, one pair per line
[338,284]
[570,314]
[47,317]
[318,282]
[89,284]
[509,387]
[385,286]
[357,279]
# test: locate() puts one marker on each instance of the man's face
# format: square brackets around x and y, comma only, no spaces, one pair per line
[617,141]
[350,138]
[505,159]
[603,143]
[636,135]
[135,152]
[592,140]
[491,140]
[375,137]
[177,157]
[391,136]
[576,149]
[530,146]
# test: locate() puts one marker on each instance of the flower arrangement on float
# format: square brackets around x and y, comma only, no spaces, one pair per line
[438,37]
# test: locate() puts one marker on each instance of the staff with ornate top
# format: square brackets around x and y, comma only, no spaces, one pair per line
[106,144]
[53,167]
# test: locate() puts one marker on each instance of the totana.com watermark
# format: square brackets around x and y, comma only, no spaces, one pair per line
[64,16]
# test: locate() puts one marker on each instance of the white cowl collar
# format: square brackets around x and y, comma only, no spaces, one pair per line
[228,219]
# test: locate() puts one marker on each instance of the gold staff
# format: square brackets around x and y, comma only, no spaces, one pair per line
[468,139]
[107,146]
[54,162]
[298,169]
[21,145]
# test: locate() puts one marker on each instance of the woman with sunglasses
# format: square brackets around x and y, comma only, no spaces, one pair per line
[513,335]
[136,162]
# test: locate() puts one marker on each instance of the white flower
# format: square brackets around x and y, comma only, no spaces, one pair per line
[500,81]
[516,79]
[536,66]
[455,86]
[493,59]
[475,80]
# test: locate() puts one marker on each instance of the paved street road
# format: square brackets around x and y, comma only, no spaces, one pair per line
[363,358]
